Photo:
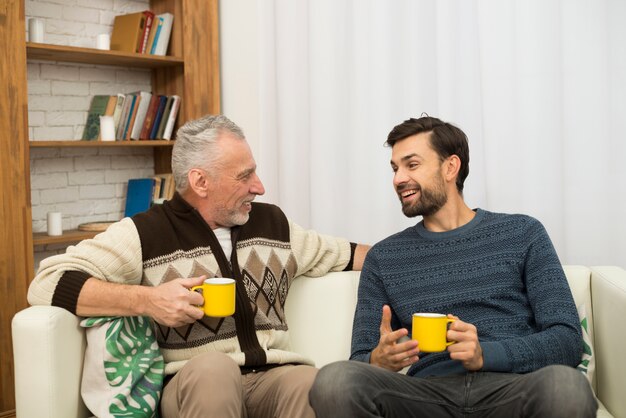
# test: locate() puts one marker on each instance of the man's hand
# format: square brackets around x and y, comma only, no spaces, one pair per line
[172,303]
[467,347]
[391,354]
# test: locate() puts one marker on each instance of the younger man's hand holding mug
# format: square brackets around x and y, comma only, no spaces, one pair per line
[467,347]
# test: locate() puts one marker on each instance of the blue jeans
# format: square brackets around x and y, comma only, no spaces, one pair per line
[351,389]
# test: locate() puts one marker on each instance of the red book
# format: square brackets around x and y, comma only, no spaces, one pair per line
[147,123]
[143,39]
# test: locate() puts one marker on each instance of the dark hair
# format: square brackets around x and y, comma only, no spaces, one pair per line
[445,138]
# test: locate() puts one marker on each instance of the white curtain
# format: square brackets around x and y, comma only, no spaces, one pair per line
[538,86]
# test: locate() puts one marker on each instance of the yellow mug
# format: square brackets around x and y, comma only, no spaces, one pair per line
[219,296]
[429,329]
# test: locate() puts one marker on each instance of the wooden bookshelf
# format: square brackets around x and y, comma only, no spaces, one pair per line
[48,52]
[68,237]
[192,71]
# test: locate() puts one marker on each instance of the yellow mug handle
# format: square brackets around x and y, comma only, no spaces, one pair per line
[195,289]
[448,322]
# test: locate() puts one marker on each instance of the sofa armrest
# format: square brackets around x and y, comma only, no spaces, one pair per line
[48,349]
[608,294]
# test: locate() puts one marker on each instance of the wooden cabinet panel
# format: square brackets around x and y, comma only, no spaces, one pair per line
[16,254]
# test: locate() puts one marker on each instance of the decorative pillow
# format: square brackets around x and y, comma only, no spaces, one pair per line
[587,364]
[123,369]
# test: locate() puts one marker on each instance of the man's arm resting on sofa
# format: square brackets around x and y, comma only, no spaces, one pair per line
[359,256]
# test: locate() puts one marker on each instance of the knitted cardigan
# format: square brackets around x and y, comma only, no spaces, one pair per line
[498,272]
[171,241]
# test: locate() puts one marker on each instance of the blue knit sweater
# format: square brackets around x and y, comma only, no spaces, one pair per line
[499,272]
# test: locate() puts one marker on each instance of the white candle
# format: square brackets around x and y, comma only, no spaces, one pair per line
[55,224]
[103,41]
[107,128]
[35,30]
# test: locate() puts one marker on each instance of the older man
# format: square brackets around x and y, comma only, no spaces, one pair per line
[145,266]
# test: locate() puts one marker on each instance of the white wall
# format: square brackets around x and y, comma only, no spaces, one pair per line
[239,51]
[564,199]
[83,184]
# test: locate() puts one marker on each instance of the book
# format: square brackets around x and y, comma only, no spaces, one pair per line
[163,38]
[149,119]
[158,116]
[168,186]
[157,22]
[171,118]
[158,184]
[123,117]
[163,122]
[146,31]
[108,112]
[110,106]
[132,114]
[138,196]
[96,109]
[117,113]
[142,110]
[127,31]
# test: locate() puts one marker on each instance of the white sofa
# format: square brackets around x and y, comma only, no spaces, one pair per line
[48,343]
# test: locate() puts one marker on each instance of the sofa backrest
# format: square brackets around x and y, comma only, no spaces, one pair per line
[320,311]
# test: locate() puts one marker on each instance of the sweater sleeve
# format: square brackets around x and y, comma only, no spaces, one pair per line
[559,338]
[113,255]
[317,254]
[368,314]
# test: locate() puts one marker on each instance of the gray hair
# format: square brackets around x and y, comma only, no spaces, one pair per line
[196,146]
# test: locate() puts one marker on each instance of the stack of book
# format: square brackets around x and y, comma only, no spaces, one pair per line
[163,187]
[137,115]
[142,32]
[144,192]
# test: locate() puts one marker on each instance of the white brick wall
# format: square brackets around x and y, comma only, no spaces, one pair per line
[83,184]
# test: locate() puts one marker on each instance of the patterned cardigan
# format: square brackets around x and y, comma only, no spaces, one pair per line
[171,241]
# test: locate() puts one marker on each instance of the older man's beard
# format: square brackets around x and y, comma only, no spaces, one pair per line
[239,218]
[429,202]
[231,217]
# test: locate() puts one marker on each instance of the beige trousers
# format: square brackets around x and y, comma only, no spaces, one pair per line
[211,385]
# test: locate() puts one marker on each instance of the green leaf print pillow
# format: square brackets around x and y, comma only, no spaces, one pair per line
[123,368]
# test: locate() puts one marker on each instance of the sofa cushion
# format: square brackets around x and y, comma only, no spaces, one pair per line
[587,363]
[123,368]
[579,279]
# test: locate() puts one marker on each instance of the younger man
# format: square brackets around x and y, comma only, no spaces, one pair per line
[517,333]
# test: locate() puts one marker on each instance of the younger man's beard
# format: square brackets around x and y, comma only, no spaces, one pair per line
[429,202]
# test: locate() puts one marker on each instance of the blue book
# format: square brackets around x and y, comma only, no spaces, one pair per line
[158,117]
[138,196]
[159,23]
[129,119]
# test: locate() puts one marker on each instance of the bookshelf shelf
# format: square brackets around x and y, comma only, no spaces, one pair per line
[100,144]
[48,52]
[68,237]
